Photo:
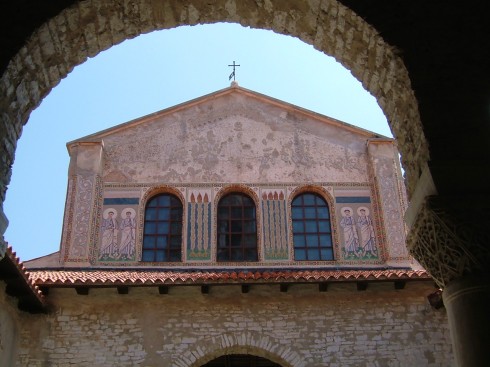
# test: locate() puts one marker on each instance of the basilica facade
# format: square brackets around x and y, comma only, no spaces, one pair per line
[233,228]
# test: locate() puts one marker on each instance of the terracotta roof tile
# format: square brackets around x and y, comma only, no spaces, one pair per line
[19,278]
[159,277]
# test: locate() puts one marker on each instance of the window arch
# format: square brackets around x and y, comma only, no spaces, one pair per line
[312,230]
[236,228]
[162,234]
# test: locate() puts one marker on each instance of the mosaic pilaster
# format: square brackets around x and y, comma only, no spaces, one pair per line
[78,219]
[199,221]
[392,199]
[274,223]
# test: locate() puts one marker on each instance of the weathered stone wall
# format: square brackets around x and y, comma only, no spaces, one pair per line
[89,27]
[9,333]
[303,327]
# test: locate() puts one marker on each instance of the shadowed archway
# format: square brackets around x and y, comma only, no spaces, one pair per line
[240,360]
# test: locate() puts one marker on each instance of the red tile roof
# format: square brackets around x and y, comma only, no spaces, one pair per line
[170,277]
[20,284]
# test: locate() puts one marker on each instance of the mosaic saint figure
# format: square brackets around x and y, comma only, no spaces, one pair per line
[366,229]
[350,233]
[108,246]
[128,235]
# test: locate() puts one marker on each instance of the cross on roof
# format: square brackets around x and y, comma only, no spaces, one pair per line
[232,75]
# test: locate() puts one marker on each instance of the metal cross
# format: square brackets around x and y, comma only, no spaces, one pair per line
[232,75]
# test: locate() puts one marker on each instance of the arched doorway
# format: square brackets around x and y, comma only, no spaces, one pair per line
[240,360]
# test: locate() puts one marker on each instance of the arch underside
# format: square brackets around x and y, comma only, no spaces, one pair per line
[250,343]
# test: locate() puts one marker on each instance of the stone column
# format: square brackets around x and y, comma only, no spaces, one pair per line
[467,301]
[450,237]
[84,185]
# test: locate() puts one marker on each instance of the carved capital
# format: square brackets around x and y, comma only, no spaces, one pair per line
[450,237]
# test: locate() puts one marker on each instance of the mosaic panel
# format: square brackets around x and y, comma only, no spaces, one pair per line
[199,222]
[357,228]
[274,225]
[118,227]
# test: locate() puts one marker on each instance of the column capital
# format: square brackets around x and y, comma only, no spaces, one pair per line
[450,237]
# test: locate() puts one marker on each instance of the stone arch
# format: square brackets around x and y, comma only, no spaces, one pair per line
[241,343]
[89,27]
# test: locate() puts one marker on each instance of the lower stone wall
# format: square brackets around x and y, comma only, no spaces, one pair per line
[302,327]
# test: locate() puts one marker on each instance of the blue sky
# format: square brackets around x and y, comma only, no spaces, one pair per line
[148,74]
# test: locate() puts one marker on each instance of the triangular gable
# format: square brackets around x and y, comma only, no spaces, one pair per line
[233,89]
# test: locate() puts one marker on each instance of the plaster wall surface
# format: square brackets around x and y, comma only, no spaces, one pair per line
[235,138]
[302,327]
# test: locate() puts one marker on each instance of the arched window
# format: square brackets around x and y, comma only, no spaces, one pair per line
[312,234]
[236,228]
[162,239]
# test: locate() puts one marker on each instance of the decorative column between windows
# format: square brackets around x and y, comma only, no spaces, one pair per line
[274,224]
[199,221]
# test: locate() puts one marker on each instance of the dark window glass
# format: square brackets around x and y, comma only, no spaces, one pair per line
[298,226]
[237,229]
[299,254]
[164,201]
[323,213]
[151,214]
[297,213]
[162,239]
[311,228]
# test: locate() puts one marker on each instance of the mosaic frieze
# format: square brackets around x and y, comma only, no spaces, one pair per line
[199,224]
[356,231]
[274,224]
